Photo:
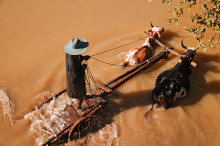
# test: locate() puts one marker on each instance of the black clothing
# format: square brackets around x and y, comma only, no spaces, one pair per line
[75,72]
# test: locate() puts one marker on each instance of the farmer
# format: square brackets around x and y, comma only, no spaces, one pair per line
[75,69]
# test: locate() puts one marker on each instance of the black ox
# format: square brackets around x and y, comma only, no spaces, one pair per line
[174,83]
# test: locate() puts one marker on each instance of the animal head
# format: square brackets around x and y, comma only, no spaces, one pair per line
[189,53]
[148,42]
[157,30]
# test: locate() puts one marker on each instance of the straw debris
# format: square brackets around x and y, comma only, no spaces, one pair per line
[7,104]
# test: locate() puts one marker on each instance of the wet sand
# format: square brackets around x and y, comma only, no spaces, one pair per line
[32,37]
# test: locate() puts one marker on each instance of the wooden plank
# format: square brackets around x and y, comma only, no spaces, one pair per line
[73,115]
[170,50]
[141,68]
[88,113]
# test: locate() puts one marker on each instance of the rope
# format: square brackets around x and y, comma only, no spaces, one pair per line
[88,80]
[90,76]
[118,47]
[106,62]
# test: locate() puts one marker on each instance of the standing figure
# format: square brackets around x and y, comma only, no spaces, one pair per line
[75,70]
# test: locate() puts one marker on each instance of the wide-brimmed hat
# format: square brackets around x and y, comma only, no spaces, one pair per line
[76,46]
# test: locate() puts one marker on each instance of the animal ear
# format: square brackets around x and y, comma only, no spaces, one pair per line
[183,45]
[162,29]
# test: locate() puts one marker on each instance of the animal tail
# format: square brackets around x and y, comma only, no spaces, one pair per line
[155,90]
[147,113]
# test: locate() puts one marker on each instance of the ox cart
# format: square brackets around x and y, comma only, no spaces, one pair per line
[57,120]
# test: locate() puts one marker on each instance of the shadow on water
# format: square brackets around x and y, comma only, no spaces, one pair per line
[199,88]
[168,35]
[115,105]
[199,85]
[125,102]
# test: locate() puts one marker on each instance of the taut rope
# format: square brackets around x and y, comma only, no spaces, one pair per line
[111,50]
[105,62]
[118,47]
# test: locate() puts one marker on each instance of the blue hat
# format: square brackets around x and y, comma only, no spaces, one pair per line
[76,46]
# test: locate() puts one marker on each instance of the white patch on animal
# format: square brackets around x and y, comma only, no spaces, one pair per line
[191,48]
[130,57]
[181,93]
[147,42]
[156,28]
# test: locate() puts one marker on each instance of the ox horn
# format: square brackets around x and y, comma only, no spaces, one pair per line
[151,24]
[183,45]
[162,29]
[196,49]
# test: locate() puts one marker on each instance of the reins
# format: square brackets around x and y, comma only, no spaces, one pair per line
[112,50]
[105,62]
[89,77]
[118,47]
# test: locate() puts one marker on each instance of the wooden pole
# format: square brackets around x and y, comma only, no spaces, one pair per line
[85,115]
[140,68]
[168,49]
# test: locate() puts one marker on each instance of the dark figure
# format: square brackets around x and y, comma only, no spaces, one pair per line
[174,83]
[75,69]
[171,84]
[75,72]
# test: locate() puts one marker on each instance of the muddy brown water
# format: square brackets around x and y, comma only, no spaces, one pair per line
[32,37]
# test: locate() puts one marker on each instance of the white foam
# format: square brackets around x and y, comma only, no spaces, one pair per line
[52,123]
